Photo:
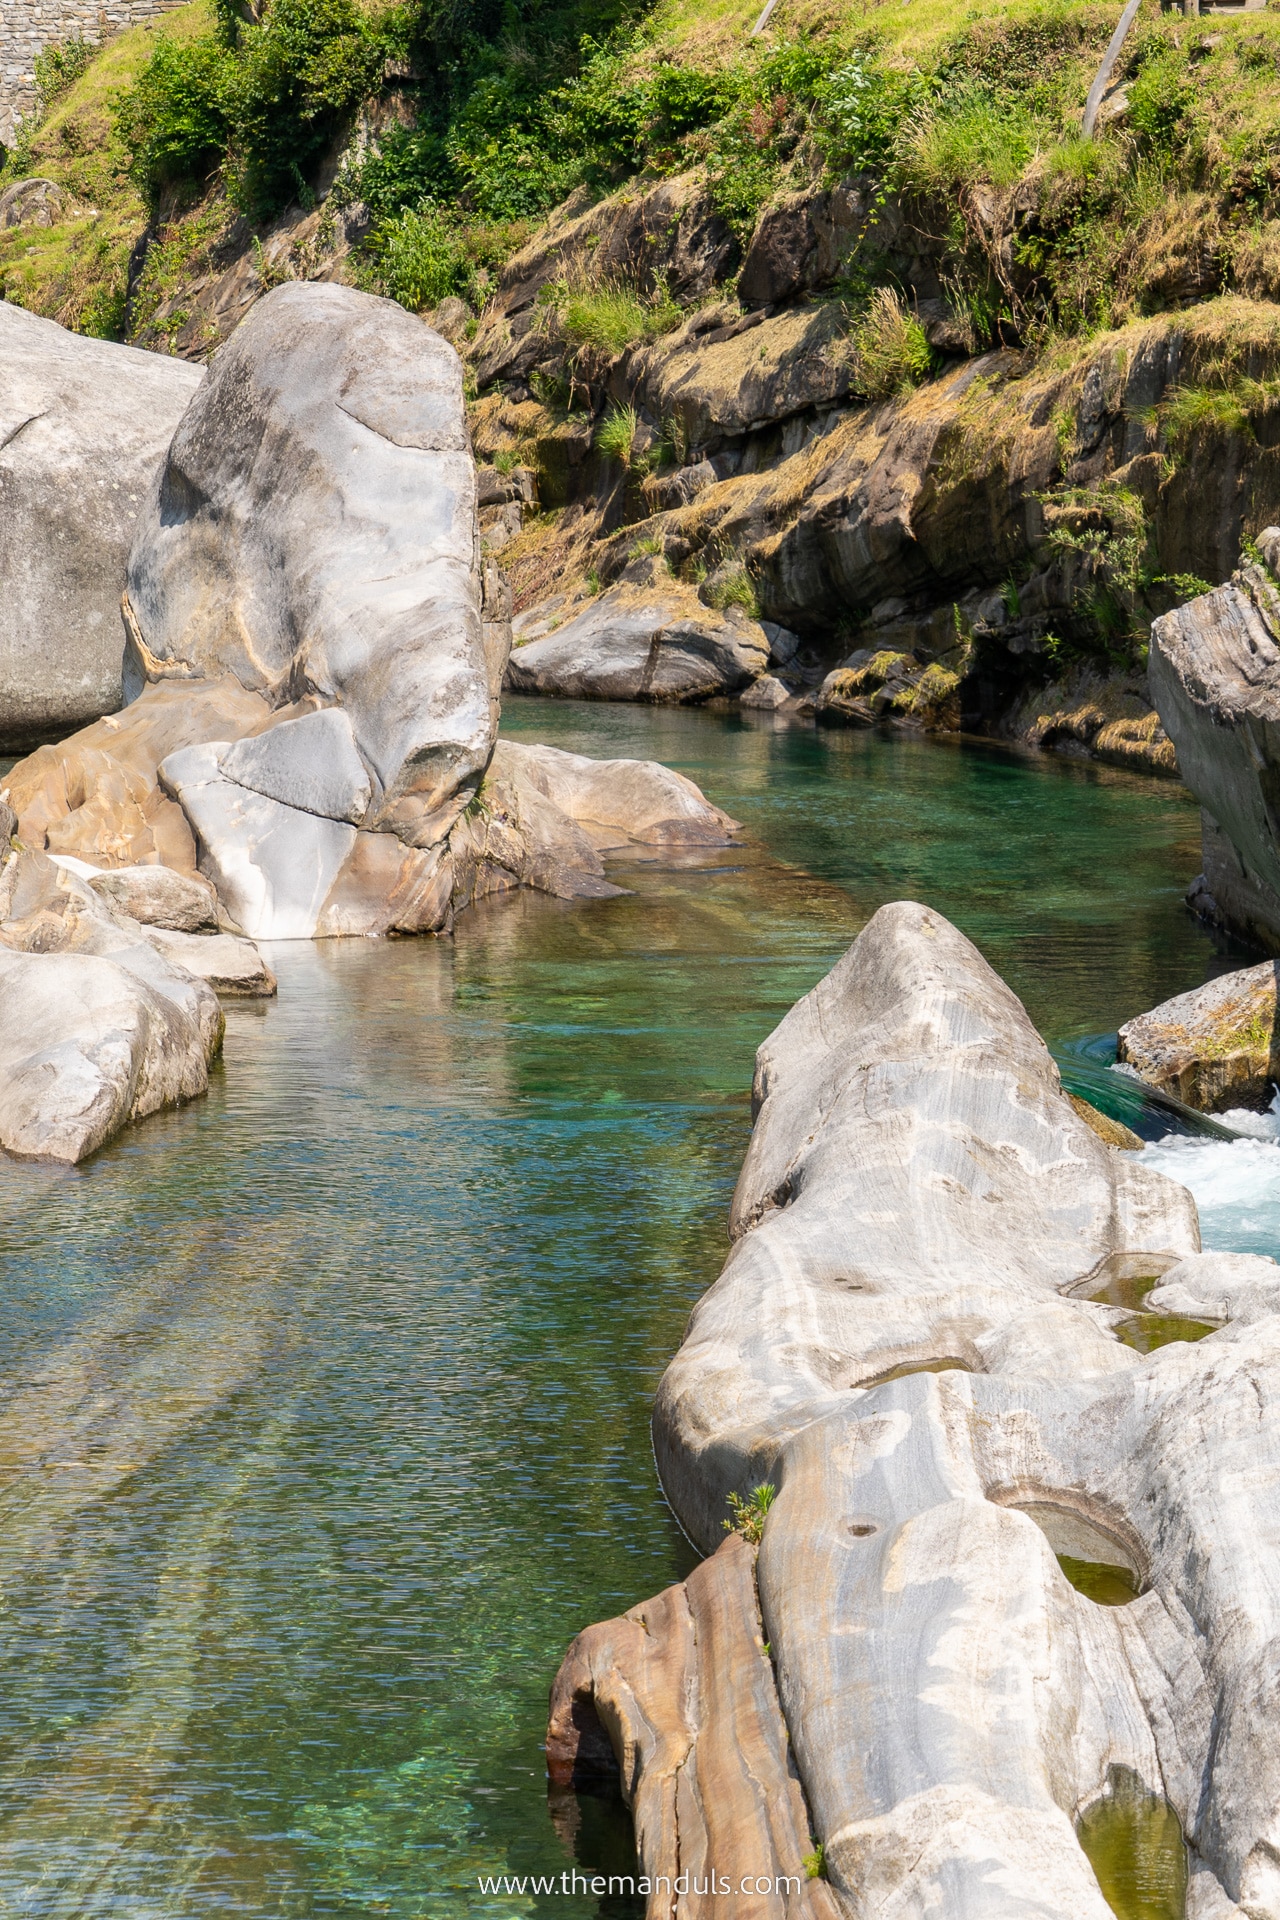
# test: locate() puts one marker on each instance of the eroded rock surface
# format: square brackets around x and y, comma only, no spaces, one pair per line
[912,1340]
[314,535]
[1215,677]
[1215,1047]
[83,429]
[97,1025]
[685,1687]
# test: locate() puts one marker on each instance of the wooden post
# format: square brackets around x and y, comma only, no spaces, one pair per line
[1102,79]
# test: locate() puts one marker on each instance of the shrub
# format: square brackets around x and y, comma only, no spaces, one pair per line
[57,69]
[860,109]
[174,120]
[266,108]
[418,258]
[749,1516]
[1162,99]
[893,354]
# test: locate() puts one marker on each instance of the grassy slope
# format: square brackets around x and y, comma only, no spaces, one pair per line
[75,271]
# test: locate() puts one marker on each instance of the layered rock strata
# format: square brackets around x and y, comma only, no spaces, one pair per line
[912,1340]
[1215,677]
[83,431]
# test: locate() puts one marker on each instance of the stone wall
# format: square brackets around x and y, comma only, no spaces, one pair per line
[28,25]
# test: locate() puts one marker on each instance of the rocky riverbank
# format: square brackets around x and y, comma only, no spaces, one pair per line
[919,1338]
[313,648]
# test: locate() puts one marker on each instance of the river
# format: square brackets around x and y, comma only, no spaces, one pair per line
[325,1419]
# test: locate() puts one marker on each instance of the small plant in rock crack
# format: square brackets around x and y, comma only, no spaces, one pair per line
[815,1863]
[750,1515]
[617,432]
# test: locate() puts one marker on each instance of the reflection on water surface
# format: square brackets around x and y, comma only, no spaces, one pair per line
[1135,1847]
[325,1401]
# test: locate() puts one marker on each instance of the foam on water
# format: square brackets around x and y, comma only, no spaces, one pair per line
[1235,1183]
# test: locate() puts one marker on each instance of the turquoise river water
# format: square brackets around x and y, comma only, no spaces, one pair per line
[325,1400]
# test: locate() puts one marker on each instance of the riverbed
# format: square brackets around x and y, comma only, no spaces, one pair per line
[325,1419]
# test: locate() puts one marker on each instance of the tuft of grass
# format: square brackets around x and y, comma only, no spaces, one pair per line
[733,589]
[616,434]
[609,315]
[1190,410]
[749,1516]
[815,1863]
[977,140]
[893,354]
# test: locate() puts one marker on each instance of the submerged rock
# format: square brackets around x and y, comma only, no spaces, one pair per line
[1215,678]
[1216,1047]
[912,1340]
[83,429]
[645,639]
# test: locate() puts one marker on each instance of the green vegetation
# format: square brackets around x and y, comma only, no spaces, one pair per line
[893,354]
[732,587]
[616,434]
[749,1516]
[504,107]
[607,314]
[815,1863]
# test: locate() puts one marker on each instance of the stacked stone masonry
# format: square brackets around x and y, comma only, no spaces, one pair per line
[27,26]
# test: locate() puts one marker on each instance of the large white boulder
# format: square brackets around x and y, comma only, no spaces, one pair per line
[84,426]
[313,532]
[915,1339]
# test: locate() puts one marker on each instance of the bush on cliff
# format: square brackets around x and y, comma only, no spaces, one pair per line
[261,99]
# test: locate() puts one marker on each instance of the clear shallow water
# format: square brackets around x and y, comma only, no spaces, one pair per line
[324,1403]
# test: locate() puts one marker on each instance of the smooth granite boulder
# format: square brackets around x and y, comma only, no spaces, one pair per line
[232,966]
[97,1026]
[1215,678]
[84,425]
[915,1339]
[313,533]
[1214,1048]
[620,803]
[642,641]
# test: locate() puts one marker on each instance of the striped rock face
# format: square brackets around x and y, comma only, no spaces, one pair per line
[916,1340]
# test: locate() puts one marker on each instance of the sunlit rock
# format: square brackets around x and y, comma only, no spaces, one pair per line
[97,1025]
[1215,1047]
[1010,1556]
[1215,678]
[83,429]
